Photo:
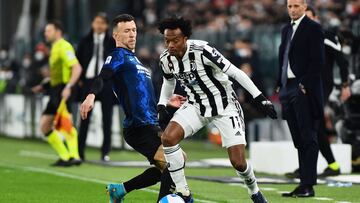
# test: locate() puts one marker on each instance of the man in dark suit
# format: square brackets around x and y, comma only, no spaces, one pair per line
[301,60]
[91,52]
[333,54]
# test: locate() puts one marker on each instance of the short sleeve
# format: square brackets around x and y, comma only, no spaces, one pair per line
[68,56]
[165,73]
[114,61]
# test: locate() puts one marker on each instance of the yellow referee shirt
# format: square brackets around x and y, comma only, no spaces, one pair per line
[62,58]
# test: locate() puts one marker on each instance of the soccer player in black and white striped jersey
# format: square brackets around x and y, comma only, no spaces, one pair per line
[203,72]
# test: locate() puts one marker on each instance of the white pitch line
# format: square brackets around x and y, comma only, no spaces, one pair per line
[38,155]
[52,157]
[323,198]
[76,177]
[268,189]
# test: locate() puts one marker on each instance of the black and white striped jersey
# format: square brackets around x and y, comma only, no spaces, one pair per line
[202,73]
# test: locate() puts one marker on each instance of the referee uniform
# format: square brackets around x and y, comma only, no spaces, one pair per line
[62,58]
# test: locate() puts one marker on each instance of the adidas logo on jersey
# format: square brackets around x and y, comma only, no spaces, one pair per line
[238,133]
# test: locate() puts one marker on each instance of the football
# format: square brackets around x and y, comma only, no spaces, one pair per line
[172,198]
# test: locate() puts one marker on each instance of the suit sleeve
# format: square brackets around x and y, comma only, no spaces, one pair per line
[316,59]
[280,57]
[79,55]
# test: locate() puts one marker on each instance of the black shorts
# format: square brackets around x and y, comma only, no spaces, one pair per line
[55,99]
[144,139]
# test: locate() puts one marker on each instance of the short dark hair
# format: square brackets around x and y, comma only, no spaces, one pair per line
[57,24]
[311,9]
[174,23]
[122,18]
[103,16]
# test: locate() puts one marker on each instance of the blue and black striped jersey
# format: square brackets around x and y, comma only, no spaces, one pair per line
[133,88]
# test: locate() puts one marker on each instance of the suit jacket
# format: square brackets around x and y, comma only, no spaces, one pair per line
[85,50]
[306,58]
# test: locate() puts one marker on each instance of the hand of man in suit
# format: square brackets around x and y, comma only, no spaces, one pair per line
[302,88]
[266,106]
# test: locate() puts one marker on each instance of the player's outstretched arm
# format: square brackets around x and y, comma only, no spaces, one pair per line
[217,60]
[96,87]
[87,106]
[262,103]
[167,90]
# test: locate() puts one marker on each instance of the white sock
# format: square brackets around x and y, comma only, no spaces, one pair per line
[176,163]
[249,179]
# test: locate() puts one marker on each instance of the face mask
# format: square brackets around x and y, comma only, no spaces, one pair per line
[346,49]
[39,56]
[243,52]
[26,62]
[3,54]
[334,22]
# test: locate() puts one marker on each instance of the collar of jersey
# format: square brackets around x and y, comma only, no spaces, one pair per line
[186,55]
[127,51]
[58,42]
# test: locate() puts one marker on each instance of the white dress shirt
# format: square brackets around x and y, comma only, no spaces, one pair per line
[90,72]
[295,23]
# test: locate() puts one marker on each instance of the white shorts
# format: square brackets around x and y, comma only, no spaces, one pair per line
[230,123]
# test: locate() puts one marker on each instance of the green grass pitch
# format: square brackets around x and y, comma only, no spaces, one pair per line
[25,176]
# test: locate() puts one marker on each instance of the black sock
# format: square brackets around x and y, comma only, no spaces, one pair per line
[149,177]
[324,145]
[167,185]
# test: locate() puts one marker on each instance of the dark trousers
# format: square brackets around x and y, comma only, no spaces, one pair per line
[106,98]
[324,144]
[303,128]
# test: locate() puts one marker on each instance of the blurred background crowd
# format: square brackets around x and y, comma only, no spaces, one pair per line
[247,32]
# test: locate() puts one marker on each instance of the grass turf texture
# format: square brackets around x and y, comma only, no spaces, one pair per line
[29,178]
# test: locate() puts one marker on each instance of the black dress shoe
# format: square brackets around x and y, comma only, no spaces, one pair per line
[301,191]
[61,163]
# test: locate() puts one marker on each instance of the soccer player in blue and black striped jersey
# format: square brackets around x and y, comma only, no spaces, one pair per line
[133,88]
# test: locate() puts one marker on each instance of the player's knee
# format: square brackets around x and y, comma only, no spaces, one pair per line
[239,163]
[170,139]
[45,129]
[45,126]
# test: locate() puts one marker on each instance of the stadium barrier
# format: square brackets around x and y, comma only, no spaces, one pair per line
[20,116]
[266,129]
[281,157]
